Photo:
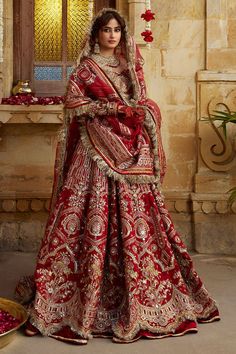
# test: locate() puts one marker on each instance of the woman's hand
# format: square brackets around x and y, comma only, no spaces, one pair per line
[136,114]
[139,114]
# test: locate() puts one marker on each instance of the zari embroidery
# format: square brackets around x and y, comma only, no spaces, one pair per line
[108,253]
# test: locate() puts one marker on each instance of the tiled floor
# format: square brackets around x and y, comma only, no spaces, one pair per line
[219,275]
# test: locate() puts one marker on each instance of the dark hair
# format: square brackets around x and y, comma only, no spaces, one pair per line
[103,21]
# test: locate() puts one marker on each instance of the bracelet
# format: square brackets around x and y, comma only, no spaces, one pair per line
[112,108]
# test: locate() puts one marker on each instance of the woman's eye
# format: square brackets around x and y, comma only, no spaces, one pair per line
[108,30]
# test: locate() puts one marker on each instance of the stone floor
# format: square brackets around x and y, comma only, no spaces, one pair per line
[219,274]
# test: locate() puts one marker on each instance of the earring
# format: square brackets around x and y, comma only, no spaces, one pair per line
[96,49]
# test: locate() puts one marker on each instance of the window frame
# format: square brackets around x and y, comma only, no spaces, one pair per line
[23,48]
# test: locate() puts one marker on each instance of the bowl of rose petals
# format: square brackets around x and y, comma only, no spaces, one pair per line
[12,317]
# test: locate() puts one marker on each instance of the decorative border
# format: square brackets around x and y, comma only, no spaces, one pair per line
[212,204]
[183,204]
[31,114]
[23,205]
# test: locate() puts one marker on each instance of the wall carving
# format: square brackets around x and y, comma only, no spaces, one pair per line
[175,205]
[212,206]
[213,217]
[217,152]
[33,114]
[24,205]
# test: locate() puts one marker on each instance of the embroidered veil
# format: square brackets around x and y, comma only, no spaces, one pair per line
[148,164]
[111,263]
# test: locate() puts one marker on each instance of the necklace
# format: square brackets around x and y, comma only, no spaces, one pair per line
[111,61]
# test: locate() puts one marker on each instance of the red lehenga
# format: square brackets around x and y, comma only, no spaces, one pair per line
[111,262]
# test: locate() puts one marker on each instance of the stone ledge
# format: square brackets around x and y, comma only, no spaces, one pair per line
[207,75]
[21,114]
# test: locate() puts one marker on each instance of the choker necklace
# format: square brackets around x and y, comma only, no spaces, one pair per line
[111,61]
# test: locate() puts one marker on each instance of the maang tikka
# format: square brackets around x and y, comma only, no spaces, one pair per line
[96,49]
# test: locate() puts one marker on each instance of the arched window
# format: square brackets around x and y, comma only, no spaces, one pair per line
[48,35]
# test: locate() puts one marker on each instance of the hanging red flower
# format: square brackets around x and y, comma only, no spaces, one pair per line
[148,15]
[147,36]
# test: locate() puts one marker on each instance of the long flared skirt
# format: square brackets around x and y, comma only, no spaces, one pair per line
[112,264]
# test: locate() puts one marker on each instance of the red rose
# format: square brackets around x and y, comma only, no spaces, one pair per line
[148,16]
[148,39]
[147,36]
[146,33]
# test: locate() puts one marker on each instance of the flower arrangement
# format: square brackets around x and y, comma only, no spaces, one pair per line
[148,16]
[147,36]
[30,99]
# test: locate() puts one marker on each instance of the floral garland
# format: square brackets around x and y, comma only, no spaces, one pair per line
[29,99]
[148,16]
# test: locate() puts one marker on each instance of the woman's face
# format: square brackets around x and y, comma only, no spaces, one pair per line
[109,36]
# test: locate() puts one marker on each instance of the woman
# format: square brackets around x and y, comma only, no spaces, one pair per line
[111,263]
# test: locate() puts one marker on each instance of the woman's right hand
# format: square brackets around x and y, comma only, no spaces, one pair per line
[136,114]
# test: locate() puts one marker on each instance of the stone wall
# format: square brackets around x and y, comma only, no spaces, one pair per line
[221,35]
[179,46]
[214,219]
[193,56]
[177,53]
[27,152]
[181,70]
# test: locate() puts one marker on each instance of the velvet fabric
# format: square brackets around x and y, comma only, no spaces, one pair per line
[111,263]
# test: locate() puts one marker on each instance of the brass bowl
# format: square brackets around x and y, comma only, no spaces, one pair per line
[17,311]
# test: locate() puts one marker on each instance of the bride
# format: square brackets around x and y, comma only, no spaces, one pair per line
[111,263]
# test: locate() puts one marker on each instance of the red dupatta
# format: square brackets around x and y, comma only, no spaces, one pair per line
[131,154]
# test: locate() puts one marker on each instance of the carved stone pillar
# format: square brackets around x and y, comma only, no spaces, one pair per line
[136,24]
[216,91]
[214,219]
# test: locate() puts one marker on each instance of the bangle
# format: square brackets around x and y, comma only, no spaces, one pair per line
[112,108]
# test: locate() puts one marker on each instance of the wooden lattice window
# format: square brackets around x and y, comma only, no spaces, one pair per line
[48,35]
